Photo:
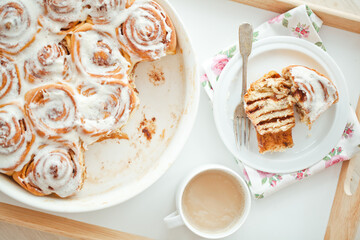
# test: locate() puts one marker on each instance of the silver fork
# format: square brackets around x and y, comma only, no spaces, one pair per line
[240,118]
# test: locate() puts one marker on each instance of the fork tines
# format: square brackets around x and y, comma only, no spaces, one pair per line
[241,126]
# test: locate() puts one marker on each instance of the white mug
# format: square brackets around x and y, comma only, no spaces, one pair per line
[177,218]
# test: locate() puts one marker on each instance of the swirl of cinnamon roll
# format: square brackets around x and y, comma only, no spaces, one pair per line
[104,11]
[16,138]
[96,54]
[65,13]
[17,27]
[51,109]
[56,168]
[51,63]
[9,78]
[147,33]
[106,107]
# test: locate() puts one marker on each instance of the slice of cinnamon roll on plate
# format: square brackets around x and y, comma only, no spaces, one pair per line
[314,92]
[269,106]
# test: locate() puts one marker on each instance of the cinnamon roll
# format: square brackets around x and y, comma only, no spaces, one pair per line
[9,78]
[313,91]
[106,107]
[51,109]
[67,81]
[269,106]
[96,54]
[16,138]
[18,26]
[147,33]
[65,14]
[50,64]
[57,168]
[104,11]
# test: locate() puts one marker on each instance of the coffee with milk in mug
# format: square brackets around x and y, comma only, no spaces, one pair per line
[213,201]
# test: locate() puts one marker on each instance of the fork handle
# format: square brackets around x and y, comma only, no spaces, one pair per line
[244,88]
[244,76]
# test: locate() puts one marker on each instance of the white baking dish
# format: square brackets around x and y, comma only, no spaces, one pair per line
[119,170]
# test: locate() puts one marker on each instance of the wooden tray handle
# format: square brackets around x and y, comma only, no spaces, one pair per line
[331,17]
[59,225]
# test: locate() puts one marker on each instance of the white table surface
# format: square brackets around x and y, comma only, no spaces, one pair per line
[297,212]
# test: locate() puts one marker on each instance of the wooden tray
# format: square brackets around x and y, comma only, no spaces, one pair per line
[343,14]
[22,223]
[30,224]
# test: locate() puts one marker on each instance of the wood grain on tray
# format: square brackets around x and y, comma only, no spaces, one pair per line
[55,225]
[345,212]
[344,14]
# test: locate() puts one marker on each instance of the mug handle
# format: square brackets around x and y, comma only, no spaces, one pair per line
[173,220]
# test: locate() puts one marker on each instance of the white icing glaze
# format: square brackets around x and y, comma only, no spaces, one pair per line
[18,24]
[59,14]
[55,113]
[97,54]
[115,100]
[9,81]
[56,170]
[51,64]
[14,141]
[311,83]
[104,11]
[107,108]
[144,30]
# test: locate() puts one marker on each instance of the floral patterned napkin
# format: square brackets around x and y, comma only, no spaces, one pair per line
[299,22]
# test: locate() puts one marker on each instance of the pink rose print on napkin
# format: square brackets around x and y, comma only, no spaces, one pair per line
[272,178]
[273,183]
[282,18]
[349,130]
[301,174]
[219,62]
[334,157]
[204,80]
[265,174]
[301,30]
[276,19]
[246,176]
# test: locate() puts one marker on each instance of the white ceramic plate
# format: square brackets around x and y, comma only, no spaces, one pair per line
[310,146]
[117,171]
